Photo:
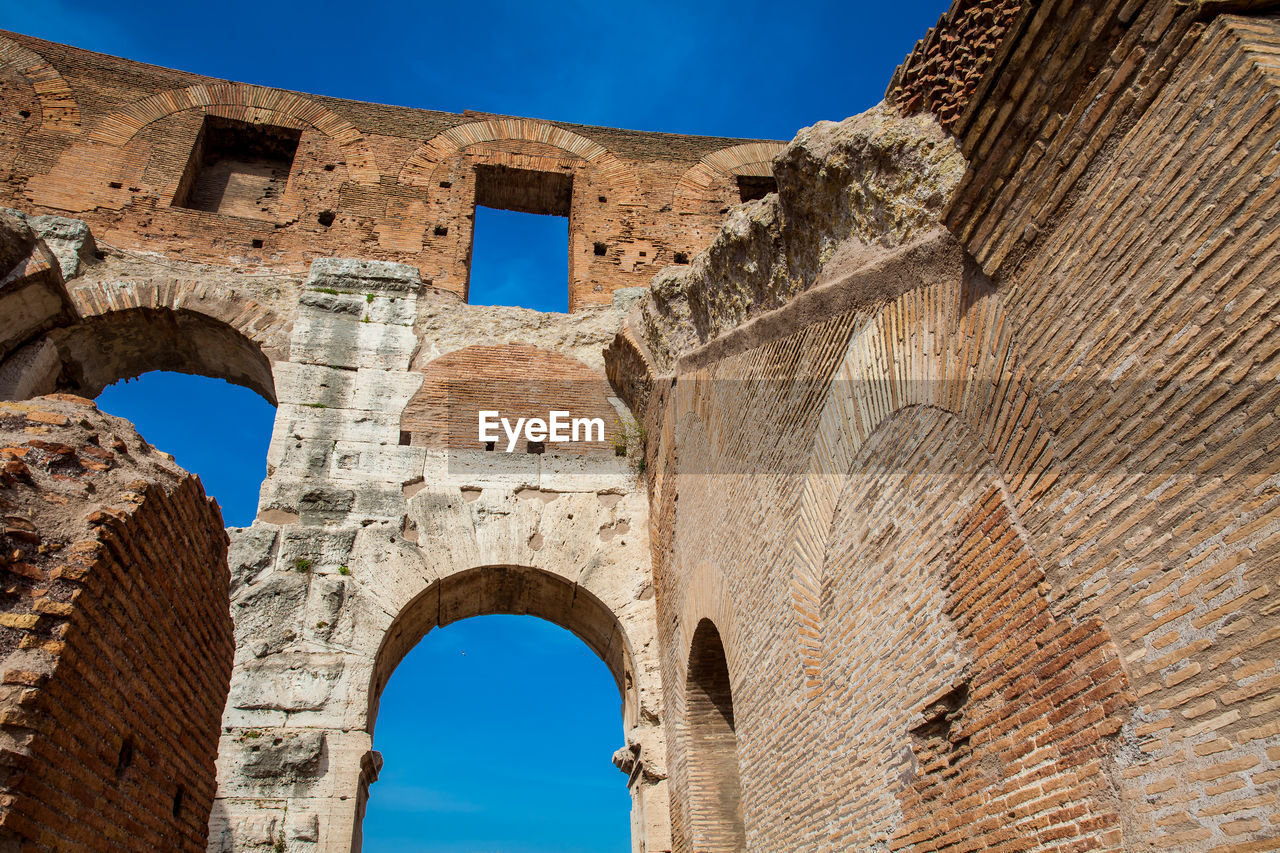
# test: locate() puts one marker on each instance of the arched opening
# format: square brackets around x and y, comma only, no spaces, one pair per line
[715,792]
[213,428]
[509,591]
[102,349]
[195,386]
[496,733]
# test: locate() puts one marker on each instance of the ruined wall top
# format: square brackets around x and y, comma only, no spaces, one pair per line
[211,171]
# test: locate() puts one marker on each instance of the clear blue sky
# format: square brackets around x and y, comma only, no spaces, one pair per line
[497,732]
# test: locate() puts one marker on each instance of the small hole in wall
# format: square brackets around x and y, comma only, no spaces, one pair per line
[488,445]
[116,185]
[125,758]
[644,254]
[405,437]
[257,244]
[329,167]
[600,249]
[444,185]
[24,113]
[326,218]
[536,447]
[603,199]
[178,797]
[441,231]
[682,258]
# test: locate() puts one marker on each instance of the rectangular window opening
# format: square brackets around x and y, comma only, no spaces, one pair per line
[520,245]
[752,187]
[238,169]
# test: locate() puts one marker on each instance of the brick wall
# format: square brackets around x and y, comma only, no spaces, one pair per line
[517,381]
[115,635]
[363,180]
[997,568]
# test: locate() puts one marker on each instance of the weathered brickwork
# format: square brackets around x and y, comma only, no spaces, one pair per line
[229,173]
[944,71]
[519,381]
[115,636]
[997,570]
[952,514]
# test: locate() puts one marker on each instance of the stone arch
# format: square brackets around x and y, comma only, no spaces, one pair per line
[606,167]
[525,590]
[948,346]
[506,590]
[714,786]
[251,103]
[702,183]
[59,111]
[124,330]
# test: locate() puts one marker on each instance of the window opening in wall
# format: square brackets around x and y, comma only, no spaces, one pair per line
[715,790]
[520,245]
[752,187]
[196,418]
[462,726]
[238,169]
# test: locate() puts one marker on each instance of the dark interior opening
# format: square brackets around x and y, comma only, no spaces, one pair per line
[238,169]
[752,187]
[524,190]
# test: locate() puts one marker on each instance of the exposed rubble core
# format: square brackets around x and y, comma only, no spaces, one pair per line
[115,641]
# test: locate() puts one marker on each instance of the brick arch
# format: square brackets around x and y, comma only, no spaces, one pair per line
[518,380]
[58,108]
[714,786]
[948,346]
[606,167]
[124,330]
[698,185]
[117,129]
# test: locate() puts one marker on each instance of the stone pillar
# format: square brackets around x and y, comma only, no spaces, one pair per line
[304,584]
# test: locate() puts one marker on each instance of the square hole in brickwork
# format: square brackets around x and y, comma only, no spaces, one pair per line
[520,245]
[752,187]
[535,447]
[600,249]
[238,169]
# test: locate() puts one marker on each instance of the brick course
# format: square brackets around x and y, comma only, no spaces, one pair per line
[115,615]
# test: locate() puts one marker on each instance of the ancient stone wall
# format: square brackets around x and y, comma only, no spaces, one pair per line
[115,636]
[209,171]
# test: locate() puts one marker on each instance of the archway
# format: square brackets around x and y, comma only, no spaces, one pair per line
[88,356]
[521,591]
[489,729]
[715,792]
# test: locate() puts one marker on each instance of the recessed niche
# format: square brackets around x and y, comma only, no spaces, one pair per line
[238,169]
[441,231]
[326,218]
[600,249]
[752,187]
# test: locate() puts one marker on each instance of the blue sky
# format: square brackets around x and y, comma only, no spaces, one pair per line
[497,732]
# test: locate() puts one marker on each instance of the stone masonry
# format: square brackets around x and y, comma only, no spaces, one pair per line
[939,507]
